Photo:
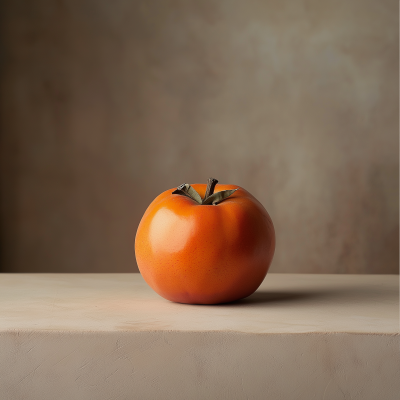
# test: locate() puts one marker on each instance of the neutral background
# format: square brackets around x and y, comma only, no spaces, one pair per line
[105,104]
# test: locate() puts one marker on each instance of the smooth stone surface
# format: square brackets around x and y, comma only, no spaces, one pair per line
[284,303]
[109,336]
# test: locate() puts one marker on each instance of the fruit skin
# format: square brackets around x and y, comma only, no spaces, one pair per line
[205,254]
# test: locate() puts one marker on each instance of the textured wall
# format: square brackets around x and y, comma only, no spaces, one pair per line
[107,104]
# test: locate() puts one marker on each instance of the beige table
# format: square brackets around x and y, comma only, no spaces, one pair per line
[109,336]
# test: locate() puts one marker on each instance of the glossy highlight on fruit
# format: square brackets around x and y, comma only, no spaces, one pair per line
[208,249]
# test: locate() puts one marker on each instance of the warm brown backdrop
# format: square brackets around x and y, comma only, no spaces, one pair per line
[105,104]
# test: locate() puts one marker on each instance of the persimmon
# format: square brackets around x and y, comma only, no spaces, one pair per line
[205,244]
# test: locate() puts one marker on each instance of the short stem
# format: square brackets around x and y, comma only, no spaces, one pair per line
[210,187]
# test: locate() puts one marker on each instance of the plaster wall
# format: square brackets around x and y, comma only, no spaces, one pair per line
[107,104]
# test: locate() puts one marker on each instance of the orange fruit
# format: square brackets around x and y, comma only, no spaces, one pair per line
[203,253]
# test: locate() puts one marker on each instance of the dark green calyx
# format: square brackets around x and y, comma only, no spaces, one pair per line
[216,198]
[186,190]
[210,197]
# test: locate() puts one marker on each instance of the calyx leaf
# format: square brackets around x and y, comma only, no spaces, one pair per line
[217,197]
[186,190]
[209,198]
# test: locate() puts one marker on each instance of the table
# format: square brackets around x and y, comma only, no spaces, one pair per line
[109,336]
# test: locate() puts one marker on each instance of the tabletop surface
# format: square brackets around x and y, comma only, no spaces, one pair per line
[284,303]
